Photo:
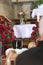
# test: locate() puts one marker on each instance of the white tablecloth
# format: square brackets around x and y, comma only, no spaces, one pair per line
[23,31]
[19,51]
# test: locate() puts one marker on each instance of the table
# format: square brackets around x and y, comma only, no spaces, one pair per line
[23,30]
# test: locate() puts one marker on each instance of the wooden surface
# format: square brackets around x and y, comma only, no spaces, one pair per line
[31,21]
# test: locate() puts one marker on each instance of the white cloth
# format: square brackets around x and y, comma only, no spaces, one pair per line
[23,31]
[38,12]
[34,12]
[7,51]
[18,51]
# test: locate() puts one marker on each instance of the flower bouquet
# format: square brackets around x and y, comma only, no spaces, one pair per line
[35,34]
[22,16]
[6,34]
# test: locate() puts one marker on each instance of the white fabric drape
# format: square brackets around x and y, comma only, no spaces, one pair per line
[23,31]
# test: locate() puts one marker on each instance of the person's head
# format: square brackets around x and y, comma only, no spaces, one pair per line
[31,45]
[11,54]
[41,27]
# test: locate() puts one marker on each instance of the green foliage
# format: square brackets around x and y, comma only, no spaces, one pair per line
[36,3]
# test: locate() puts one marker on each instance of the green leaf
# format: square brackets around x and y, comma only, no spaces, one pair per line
[36,3]
[8,36]
[10,43]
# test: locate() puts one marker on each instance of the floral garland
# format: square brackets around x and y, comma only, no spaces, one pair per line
[6,34]
[35,34]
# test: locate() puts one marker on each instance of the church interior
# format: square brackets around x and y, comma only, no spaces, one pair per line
[18,29]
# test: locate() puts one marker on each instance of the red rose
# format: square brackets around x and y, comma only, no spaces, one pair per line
[1,31]
[13,38]
[9,27]
[18,15]
[3,36]
[7,46]
[8,22]
[1,26]
[37,30]
[33,33]
[12,30]
[2,20]
[6,32]
[34,28]
[4,27]
[37,23]
[11,34]
[3,57]
[3,51]
[8,40]
[34,37]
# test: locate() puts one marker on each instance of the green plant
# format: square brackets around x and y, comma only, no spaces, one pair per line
[36,3]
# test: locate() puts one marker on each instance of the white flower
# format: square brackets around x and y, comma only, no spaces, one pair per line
[21,13]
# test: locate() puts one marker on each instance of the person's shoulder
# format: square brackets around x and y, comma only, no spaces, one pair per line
[28,52]
[30,55]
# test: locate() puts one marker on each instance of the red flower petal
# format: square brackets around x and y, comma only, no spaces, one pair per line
[3,36]
[8,40]
[11,34]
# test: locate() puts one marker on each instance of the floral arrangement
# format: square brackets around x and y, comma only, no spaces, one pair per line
[6,34]
[35,34]
[22,15]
